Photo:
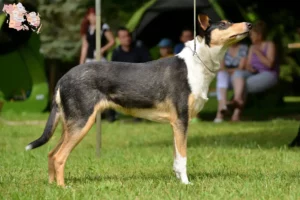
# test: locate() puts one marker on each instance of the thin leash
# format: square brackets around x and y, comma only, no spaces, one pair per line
[212,71]
[195,53]
[195,37]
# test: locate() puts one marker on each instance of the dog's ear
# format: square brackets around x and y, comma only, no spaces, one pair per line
[204,21]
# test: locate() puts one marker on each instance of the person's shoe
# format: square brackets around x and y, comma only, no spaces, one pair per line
[225,111]
[234,104]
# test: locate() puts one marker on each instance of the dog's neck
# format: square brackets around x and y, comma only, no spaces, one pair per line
[202,67]
[210,57]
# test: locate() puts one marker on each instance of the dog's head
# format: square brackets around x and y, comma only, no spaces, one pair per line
[223,33]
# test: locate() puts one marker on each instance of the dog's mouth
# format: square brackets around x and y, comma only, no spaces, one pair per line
[240,35]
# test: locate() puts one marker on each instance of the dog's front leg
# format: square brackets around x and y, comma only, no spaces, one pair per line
[180,145]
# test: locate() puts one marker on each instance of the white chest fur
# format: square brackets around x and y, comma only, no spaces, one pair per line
[199,77]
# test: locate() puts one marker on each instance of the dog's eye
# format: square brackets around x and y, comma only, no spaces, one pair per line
[222,24]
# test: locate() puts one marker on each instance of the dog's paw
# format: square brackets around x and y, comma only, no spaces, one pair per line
[186,182]
[184,179]
[177,174]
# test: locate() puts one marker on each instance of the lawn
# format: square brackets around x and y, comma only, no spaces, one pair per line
[247,160]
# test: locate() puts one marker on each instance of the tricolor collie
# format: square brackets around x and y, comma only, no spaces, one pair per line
[169,90]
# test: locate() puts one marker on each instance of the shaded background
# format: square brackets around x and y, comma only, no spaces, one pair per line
[60,35]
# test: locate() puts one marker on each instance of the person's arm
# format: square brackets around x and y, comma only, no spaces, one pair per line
[248,60]
[84,49]
[222,65]
[243,60]
[269,59]
[111,41]
[242,64]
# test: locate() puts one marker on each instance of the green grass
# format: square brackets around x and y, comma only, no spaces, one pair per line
[246,160]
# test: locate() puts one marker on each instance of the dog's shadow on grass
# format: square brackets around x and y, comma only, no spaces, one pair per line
[250,140]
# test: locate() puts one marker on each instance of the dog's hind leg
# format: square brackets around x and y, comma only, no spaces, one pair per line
[73,134]
[51,167]
[180,148]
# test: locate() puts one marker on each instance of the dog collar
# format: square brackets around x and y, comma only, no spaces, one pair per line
[195,53]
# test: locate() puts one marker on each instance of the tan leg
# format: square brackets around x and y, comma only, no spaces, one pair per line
[51,168]
[180,146]
[70,140]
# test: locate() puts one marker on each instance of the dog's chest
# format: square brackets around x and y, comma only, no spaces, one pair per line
[199,81]
[196,104]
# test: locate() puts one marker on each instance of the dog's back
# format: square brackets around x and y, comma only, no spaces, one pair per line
[129,85]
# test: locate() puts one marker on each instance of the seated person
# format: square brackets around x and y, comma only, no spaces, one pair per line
[165,48]
[186,35]
[235,58]
[262,69]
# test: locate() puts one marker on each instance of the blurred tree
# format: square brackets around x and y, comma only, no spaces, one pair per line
[60,32]
[118,12]
[61,23]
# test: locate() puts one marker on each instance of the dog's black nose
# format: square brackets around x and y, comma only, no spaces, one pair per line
[249,25]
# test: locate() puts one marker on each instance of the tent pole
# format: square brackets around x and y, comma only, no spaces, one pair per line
[98,58]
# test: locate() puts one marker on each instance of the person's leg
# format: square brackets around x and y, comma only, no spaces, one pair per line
[239,81]
[222,85]
[261,82]
[255,84]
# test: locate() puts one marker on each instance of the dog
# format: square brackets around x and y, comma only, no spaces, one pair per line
[172,90]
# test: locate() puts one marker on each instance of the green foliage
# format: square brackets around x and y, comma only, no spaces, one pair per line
[282,36]
[60,33]
[134,21]
[218,8]
[117,12]
[289,70]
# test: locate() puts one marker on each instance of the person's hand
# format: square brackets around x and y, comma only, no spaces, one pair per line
[251,69]
[102,51]
[230,71]
[256,50]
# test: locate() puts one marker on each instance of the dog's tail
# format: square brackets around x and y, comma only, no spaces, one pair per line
[49,129]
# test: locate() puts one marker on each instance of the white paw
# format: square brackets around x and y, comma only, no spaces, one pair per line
[189,183]
[182,176]
[184,179]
